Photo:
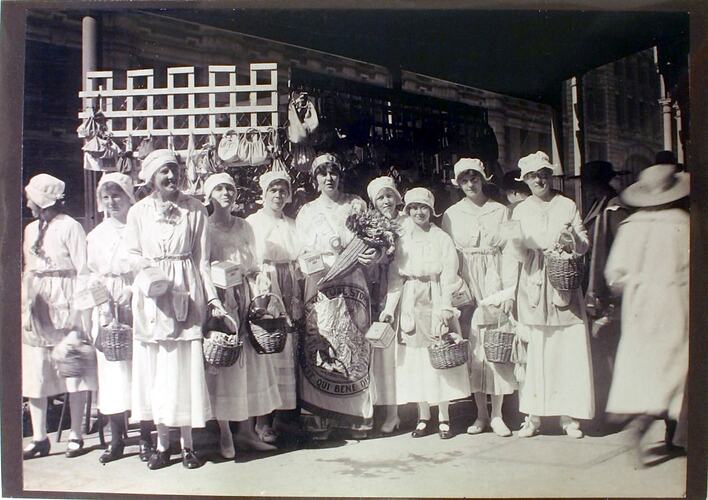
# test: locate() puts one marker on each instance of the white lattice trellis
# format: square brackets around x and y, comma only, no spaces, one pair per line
[178,110]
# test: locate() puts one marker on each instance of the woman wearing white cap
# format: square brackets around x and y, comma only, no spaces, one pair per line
[422,278]
[649,265]
[558,371]
[248,388]
[334,383]
[54,254]
[386,199]
[475,223]
[167,230]
[109,263]
[277,249]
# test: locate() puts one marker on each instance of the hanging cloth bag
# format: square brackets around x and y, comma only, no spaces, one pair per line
[257,154]
[231,150]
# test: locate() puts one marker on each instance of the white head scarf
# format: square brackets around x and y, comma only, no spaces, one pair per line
[214,180]
[45,190]
[154,161]
[377,185]
[121,180]
[270,177]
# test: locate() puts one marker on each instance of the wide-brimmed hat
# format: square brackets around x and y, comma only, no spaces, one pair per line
[533,163]
[121,180]
[657,185]
[214,180]
[323,160]
[269,178]
[465,164]
[598,171]
[420,195]
[154,161]
[45,190]
[380,183]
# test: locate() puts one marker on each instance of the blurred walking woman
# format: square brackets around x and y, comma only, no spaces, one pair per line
[474,223]
[167,230]
[422,277]
[277,249]
[248,388]
[337,358]
[386,199]
[109,264]
[649,265]
[54,250]
[558,372]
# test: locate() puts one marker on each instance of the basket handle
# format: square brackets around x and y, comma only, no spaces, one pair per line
[282,304]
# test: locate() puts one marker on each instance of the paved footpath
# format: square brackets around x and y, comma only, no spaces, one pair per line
[464,466]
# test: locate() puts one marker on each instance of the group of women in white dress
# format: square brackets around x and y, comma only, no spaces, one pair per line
[334,377]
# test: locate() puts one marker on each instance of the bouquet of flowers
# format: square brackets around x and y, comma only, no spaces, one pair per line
[372,230]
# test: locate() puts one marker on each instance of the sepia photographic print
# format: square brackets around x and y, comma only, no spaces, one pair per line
[366,249]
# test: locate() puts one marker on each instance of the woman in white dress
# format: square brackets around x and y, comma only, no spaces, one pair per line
[248,388]
[277,249]
[335,376]
[109,264]
[167,230]
[558,372]
[422,278]
[54,251]
[386,199]
[649,265]
[475,224]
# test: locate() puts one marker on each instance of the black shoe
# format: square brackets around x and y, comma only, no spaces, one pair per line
[420,432]
[40,448]
[146,450]
[113,452]
[75,452]
[444,434]
[159,459]
[190,460]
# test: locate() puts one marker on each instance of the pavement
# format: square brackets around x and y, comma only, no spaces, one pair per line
[548,465]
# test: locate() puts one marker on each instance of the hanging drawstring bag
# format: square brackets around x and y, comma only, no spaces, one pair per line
[297,132]
[301,157]
[92,125]
[230,149]
[257,152]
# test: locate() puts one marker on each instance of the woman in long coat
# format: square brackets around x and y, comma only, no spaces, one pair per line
[475,225]
[649,266]
[54,251]
[558,371]
[422,278]
[386,199]
[167,230]
[247,390]
[335,381]
[109,264]
[277,249]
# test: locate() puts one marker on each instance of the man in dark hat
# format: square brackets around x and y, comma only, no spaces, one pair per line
[602,218]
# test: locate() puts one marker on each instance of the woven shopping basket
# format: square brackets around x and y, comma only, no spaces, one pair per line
[222,343]
[498,343]
[444,353]
[115,340]
[564,270]
[268,335]
[75,359]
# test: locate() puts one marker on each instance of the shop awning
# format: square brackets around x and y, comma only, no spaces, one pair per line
[520,53]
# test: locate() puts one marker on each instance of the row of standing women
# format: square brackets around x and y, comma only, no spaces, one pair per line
[483,245]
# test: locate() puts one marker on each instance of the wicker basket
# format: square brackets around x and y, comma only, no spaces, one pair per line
[75,362]
[268,335]
[564,270]
[222,343]
[448,355]
[498,345]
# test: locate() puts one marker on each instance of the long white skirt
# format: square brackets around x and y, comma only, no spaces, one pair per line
[113,385]
[384,373]
[284,363]
[169,383]
[417,381]
[248,388]
[41,379]
[558,373]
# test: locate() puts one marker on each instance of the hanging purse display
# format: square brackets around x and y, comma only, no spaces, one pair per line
[145,147]
[297,132]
